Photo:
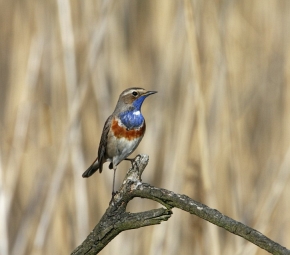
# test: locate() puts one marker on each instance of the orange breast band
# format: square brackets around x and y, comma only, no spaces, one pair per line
[122,132]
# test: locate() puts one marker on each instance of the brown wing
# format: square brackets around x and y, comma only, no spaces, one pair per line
[103,143]
[98,163]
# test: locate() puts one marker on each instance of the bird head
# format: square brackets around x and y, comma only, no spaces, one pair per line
[133,98]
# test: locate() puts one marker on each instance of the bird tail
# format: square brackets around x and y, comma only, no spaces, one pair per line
[92,169]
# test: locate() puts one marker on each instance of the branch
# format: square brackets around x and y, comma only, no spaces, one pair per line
[116,219]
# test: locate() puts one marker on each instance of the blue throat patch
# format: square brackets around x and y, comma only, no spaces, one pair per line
[129,118]
[138,102]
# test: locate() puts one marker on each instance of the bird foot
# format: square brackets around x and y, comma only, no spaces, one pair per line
[114,193]
[131,160]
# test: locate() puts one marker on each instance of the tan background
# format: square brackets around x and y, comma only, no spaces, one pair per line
[218,130]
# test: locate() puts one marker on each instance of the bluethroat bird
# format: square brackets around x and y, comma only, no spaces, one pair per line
[122,132]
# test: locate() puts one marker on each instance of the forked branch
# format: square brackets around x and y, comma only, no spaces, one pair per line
[116,219]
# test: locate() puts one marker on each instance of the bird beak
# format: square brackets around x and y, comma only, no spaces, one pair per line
[148,93]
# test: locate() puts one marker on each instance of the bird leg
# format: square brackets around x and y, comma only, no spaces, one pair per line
[113,191]
[131,160]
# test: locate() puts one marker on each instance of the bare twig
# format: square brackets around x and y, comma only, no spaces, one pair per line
[116,219]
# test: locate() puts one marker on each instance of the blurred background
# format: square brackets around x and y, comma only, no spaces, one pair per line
[218,130]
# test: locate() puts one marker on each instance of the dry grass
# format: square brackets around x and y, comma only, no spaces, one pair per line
[218,130]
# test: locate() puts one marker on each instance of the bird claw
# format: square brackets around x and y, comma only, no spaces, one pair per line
[114,193]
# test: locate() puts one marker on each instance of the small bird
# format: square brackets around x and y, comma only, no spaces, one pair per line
[122,132]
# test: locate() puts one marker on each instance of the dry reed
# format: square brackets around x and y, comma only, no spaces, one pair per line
[218,130]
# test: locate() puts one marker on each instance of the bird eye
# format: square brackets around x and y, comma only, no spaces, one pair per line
[134,93]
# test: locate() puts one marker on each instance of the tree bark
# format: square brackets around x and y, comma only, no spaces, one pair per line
[116,219]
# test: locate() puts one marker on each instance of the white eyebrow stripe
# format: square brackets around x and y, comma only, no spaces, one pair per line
[129,92]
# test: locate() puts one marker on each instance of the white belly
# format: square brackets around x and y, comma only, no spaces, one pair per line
[124,148]
[119,149]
